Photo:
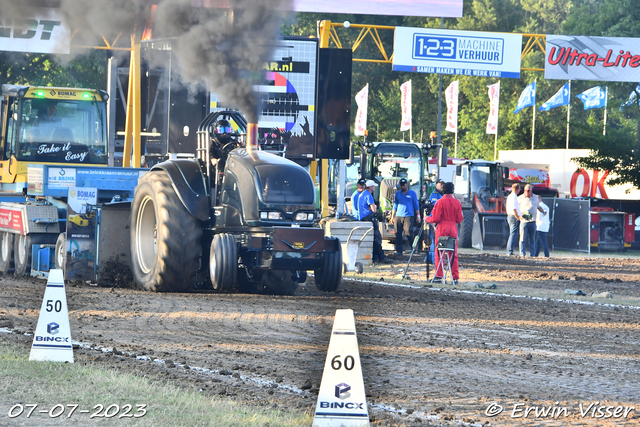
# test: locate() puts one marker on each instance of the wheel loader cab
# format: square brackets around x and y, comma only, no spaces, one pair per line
[53,125]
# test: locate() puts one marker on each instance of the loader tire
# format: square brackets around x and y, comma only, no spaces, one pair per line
[165,237]
[6,252]
[22,254]
[61,251]
[223,262]
[465,229]
[329,277]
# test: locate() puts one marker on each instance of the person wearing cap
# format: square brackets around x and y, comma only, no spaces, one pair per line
[447,213]
[405,207]
[367,212]
[437,193]
[355,196]
[433,198]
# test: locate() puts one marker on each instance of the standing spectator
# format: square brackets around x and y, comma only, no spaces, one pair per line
[367,212]
[405,207]
[355,196]
[447,213]
[437,193]
[542,224]
[433,198]
[528,206]
[513,215]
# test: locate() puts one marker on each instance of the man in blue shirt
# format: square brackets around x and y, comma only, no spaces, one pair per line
[367,212]
[355,196]
[405,206]
[437,193]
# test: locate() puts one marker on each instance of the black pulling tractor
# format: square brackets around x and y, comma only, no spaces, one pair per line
[249,213]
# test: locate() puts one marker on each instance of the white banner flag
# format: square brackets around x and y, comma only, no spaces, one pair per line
[494,101]
[362,99]
[405,101]
[451,94]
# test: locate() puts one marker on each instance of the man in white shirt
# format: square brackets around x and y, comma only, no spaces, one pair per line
[528,206]
[513,215]
[542,224]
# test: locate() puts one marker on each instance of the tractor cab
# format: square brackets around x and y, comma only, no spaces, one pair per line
[479,187]
[479,184]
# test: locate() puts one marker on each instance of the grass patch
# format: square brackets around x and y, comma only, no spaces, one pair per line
[51,383]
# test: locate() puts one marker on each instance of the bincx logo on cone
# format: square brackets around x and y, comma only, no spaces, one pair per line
[52,338]
[342,391]
[53,328]
[341,399]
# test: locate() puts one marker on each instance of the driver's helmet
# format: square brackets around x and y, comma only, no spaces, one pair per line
[223,127]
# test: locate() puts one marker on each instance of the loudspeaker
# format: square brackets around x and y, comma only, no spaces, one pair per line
[333,127]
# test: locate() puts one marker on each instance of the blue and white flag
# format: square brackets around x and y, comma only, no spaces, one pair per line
[596,97]
[632,97]
[527,97]
[560,98]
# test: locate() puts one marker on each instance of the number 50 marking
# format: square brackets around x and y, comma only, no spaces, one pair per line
[349,363]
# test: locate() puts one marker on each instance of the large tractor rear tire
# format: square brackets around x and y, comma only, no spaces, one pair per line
[329,277]
[22,254]
[465,229]
[165,237]
[6,252]
[223,262]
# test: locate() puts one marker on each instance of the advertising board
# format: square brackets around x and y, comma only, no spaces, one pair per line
[565,175]
[41,30]
[465,53]
[437,8]
[611,59]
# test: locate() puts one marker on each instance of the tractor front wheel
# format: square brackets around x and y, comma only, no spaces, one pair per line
[328,277]
[465,228]
[223,262]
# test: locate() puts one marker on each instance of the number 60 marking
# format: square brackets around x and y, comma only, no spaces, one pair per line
[349,363]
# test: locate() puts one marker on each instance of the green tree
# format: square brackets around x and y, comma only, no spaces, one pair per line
[87,70]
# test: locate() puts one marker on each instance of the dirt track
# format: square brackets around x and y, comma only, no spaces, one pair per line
[430,356]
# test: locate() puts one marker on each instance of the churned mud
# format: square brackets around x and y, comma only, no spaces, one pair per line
[430,355]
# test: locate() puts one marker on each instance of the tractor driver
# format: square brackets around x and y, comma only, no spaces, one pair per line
[223,134]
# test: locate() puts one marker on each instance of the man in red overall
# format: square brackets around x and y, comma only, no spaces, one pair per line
[446,214]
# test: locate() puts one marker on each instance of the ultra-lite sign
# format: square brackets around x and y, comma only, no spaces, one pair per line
[612,59]
[41,30]
[465,53]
